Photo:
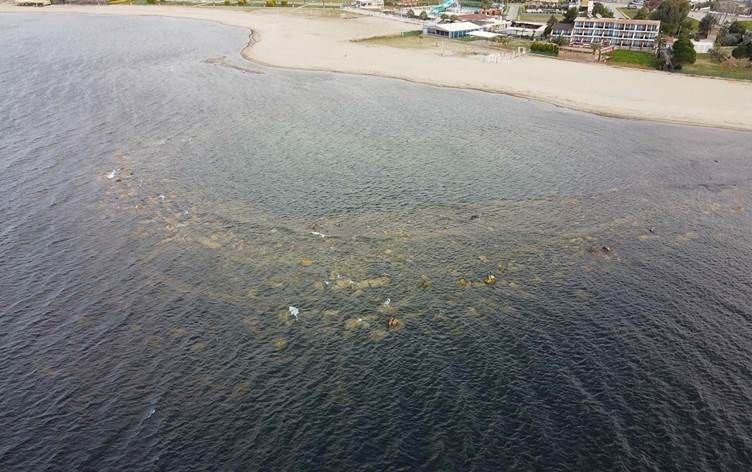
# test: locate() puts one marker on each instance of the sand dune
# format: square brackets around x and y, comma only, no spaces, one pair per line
[307,40]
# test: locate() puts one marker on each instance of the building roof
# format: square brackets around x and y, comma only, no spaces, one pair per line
[483,34]
[563,27]
[526,24]
[457,26]
[474,17]
[621,21]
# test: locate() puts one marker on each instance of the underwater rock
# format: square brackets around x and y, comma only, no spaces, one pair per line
[279,343]
[483,258]
[377,334]
[208,242]
[581,295]
[239,391]
[330,313]
[463,282]
[343,283]
[305,262]
[177,332]
[284,317]
[357,323]
[424,282]
[490,279]
[372,283]
[512,266]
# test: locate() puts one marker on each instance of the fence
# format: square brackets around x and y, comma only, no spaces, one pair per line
[504,57]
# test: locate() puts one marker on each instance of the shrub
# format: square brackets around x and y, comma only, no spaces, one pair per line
[423,15]
[642,14]
[601,9]
[227,3]
[742,51]
[730,39]
[570,15]
[270,3]
[717,54]
[684,52]
[545,48]
[242,3]
[737,27]
[560,41]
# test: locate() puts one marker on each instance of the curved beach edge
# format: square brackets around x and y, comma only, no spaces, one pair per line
[254,37]
[245,19]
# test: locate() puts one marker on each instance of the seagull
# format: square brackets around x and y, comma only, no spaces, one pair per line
[294,312]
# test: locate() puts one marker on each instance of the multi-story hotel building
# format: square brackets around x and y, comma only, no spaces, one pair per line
[617,32]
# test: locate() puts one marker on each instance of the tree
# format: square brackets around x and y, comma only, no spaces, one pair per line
[671,13]
[706,24]
[642,14]
[485,4]
[737,28]
[742,51]
[549,26]
[411,13]
[662,55]
[423,15]
[683,52]
[570,15]
[600,9]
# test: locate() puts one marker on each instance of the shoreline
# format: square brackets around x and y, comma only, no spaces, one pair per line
[318,43]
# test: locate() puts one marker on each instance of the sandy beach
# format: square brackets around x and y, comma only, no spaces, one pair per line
[310,41]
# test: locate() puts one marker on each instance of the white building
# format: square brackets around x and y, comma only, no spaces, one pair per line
[701,47]
[525,29]
[451,30]
[617,32]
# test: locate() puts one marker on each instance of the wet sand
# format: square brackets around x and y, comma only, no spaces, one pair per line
[303,39]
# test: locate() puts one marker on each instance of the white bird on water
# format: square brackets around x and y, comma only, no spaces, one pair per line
[294,312]
[111,175]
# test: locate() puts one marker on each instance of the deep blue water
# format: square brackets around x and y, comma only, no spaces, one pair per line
[144,320]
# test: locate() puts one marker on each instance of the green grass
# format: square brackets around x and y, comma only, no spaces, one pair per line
[629,12]
[708,67]
[746,24]
[640,59]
